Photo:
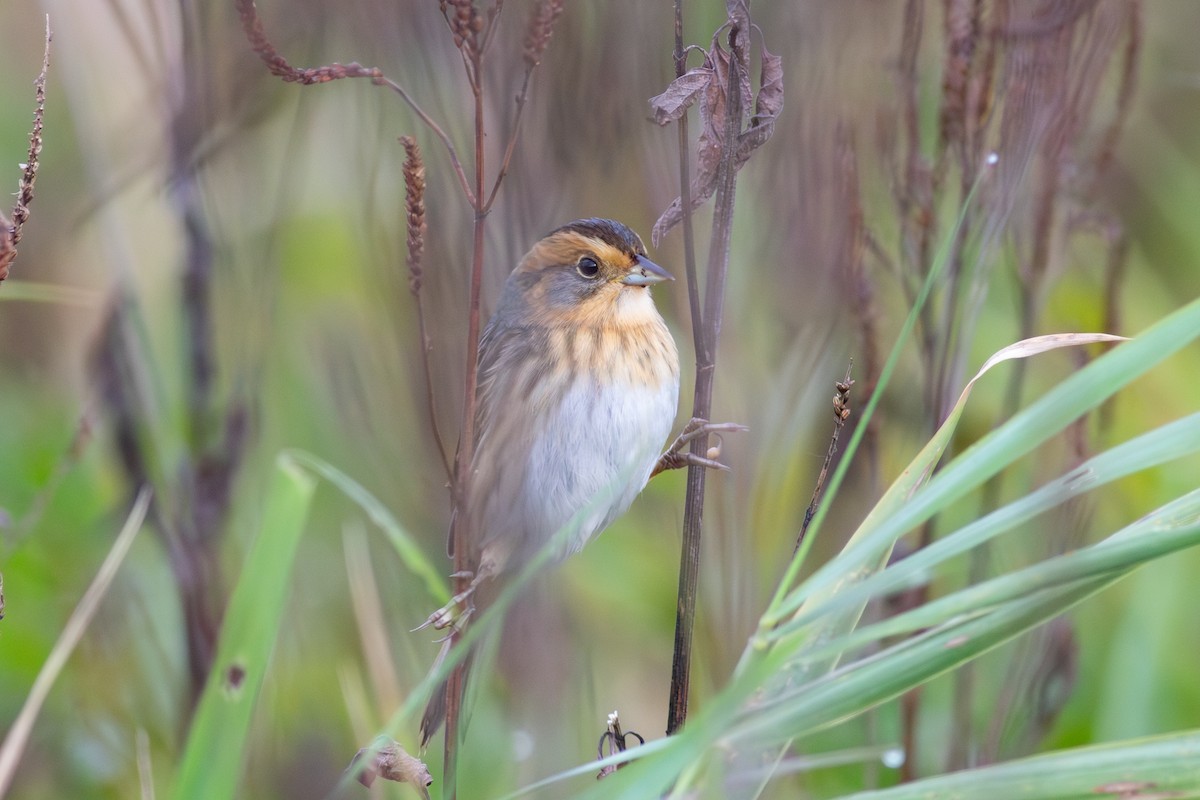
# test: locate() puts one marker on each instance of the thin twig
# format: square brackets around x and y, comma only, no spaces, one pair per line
[537,37]
[512,142]
[841,413]
[459,172]
[685,194]
[278,66]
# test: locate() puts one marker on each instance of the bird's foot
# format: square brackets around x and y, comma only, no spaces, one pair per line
[454,614]
[677,457]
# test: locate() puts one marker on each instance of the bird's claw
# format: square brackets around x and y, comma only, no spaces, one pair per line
[677,458]
[454,614]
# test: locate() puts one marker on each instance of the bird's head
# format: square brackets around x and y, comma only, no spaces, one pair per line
[589,271]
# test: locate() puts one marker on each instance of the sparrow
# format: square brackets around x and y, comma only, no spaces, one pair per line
[578,388]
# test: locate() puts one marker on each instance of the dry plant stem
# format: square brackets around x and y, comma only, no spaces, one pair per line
[429,399]
[10,230]
[540,31]
[841,413]
[414,206]
[718,263]
[685,194]
[462,465]
[278,66]
[217,430]
[512,141]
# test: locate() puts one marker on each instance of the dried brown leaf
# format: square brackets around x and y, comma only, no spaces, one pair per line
[738,13]
[766,108]
[770,85]
[680,95]
[713,102]
[392,763]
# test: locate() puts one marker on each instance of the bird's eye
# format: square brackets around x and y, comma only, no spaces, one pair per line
[587,267]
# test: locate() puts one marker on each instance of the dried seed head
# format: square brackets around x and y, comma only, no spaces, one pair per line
[10,230]
[465,23]
[414,207]
[541,25]
[388,760]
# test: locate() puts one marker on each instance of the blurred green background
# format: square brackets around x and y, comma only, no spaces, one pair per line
[165,134]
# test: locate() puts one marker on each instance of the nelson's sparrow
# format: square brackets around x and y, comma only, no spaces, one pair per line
[578,385]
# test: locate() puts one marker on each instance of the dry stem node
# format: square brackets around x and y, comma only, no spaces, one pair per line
[10,231]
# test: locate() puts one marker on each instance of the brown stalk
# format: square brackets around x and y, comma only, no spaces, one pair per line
[685,193]
[536,40]
[856,242]
[841,413]
[466,443]
[414,218]
[718,264]
[10,230]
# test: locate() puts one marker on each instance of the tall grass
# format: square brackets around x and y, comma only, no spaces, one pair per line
[957,624]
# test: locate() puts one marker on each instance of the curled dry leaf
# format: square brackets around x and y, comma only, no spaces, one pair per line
[680,95]
[389,761]
[707,84]
[766,107]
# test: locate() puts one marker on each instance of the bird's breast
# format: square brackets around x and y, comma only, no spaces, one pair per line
[595,453]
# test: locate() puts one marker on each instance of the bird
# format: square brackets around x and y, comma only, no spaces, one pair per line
[577,392]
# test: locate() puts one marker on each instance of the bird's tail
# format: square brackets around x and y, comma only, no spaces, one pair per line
[435,710]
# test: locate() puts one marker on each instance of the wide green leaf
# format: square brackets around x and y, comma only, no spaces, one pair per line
[216,744]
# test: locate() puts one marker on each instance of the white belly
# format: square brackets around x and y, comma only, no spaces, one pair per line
[591,460]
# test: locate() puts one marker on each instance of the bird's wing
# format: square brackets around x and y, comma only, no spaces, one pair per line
[505,419]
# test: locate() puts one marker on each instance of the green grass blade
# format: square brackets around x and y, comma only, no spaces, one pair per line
[762,721]
[1014,603]
[18,733]
[1031,427]
[1172,441]
[1174,527]
[1160,767]
[216,743]
[406,546]
[34,292]
[937,268]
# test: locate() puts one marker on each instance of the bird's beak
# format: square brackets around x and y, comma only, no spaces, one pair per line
[645,272]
